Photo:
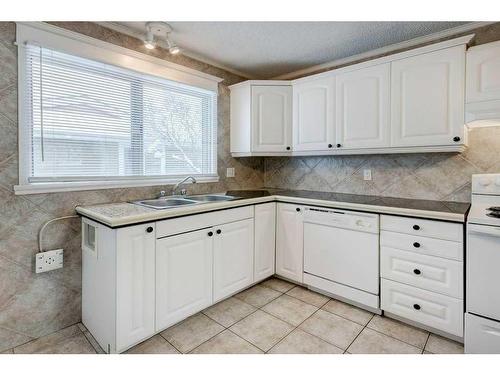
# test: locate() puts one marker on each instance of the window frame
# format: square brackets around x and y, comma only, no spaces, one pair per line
[69,42]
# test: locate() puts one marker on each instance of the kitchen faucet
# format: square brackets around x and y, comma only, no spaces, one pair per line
[183,191]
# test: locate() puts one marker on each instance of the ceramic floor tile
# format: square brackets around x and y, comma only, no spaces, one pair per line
[155,345]
[70,340]
[373,342]
[440,345]
[278,284]
[401,331]
[262,330]
[301,342]
[332,328]
[347,311]
[229,311]
[191,332]
[226,343]
[94,343]
[290,309]
[258,296]
[308,296]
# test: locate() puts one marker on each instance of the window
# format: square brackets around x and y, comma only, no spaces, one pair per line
[86,121]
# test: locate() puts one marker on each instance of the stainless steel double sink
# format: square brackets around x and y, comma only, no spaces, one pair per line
[178,201]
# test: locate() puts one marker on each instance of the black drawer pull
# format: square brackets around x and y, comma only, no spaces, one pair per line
[416,306]
[210,234]
[416,244]
[416,227]
[416,271]
[456,139]
[339,145]
[218,231]
[297,209]
[330,145]
[288,148]
[149,229]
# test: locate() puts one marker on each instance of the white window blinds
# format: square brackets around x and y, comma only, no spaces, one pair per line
[93,121]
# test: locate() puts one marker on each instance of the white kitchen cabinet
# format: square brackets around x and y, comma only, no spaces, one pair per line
[183,276]
[135,284]
[265,240]
[363,108]
[483,82]
[271,118]
[427,99]
[233,257]
[290,242]
[313,114]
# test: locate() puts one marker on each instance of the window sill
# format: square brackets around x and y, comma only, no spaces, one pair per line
[58,187]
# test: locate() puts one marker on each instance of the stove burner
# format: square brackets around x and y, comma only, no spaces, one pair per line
[495,214]
[494,209]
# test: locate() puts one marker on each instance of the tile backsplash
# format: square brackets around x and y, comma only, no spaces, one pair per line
[439,176]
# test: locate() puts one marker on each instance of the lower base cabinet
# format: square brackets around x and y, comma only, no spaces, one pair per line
[289,242]
[264,240]
[183,276]
[233,257]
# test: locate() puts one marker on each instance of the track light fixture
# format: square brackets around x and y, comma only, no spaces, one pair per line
[155,31]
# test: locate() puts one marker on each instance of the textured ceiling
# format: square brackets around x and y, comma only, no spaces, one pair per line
[269,49]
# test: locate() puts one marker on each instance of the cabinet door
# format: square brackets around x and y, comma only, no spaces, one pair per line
[135,284]
[289,242]
[427,99]
[233,258]
[271,118]
[313,115]
[265,240]
[363,108]
[183,276]
[483,73]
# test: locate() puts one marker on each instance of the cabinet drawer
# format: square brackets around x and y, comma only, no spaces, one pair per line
[423,271]
[423,245]
[190,223]
[422,227]
[434,310]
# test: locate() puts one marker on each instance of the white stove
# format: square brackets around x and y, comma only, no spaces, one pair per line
[482,318]
[485,200]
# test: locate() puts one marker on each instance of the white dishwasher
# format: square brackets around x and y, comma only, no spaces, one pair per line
[341,254]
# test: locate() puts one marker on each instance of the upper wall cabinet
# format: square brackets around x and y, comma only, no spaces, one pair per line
[313,115]
[427,94]
[261,118]
[409,102]
[483,82]
[363,108]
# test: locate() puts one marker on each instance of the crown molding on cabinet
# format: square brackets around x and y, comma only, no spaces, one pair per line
[384,50]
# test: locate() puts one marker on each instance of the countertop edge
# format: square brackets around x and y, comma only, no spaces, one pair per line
[202,208]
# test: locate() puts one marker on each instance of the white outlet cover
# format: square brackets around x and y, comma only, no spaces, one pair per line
[48,260]
[230,172]
[367,174]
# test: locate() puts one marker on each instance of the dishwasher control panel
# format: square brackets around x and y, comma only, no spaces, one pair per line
[361,221]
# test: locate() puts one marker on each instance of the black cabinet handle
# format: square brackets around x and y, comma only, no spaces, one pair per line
[456,139]
[210,234]
[416,306]
[330,145]
[339,145]
[288,147]
[416,271]
[416,227]
[297,209]
[416,244]
[149,229]
[218,231]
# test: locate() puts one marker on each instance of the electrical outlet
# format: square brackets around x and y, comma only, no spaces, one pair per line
[49,260]
[367,174]
[230,172]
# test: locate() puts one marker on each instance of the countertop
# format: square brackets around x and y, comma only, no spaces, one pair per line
[120,214]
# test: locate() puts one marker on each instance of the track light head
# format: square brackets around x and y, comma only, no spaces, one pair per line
[155,30]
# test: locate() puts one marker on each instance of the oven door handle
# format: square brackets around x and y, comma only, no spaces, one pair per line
[483,229]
